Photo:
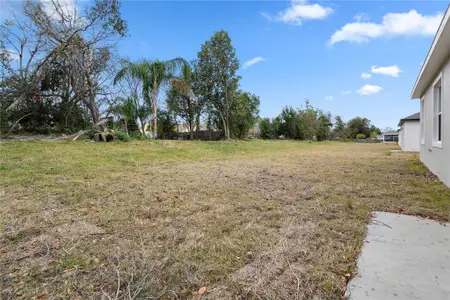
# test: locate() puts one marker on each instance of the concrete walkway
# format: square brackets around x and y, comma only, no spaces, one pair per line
[403,257]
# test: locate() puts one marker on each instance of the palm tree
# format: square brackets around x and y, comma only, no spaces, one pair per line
[183,82]
[182,86]
[154,74]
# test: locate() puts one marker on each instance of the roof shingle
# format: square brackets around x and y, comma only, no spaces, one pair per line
[413,117]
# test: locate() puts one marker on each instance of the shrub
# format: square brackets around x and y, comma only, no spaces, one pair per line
[266,129]
[138,136]
[360,136]
[122,136]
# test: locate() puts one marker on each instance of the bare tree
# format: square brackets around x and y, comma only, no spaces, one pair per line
[79,43]
[20,48]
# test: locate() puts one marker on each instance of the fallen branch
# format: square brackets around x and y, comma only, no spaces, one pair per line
[80,134]
[20,119]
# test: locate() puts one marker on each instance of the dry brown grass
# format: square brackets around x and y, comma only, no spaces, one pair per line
[247,220]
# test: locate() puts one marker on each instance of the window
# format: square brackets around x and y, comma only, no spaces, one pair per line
[437,114]
[422,120]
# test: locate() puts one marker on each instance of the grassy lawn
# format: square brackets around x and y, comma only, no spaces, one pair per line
[246,220]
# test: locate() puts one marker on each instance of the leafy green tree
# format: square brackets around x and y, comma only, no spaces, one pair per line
[166,123]
[375,130]
[288,123]
[201,88]
[216,68]
[324,127]
[182,100]
[183,107]
[358,125]
[154,74]
[307,123]
[339,130]
[129,109]
[266,129]
[244,114]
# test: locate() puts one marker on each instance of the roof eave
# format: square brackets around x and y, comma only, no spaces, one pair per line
[425,74]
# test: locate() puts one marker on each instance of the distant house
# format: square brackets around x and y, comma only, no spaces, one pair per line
[390,137]
[432,87]
[184,127]
[254,132]
[409,137]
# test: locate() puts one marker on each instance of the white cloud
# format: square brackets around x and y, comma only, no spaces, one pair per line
[369,89]
[365,75]
[393,24]
[301,10]
[389,71]
[329,98]
[347,92]
[252,61]
[266,15]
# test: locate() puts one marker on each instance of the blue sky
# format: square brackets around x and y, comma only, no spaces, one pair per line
[291,42]
[301,49]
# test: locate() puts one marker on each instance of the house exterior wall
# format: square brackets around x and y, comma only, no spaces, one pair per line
[409,138]
[437,159]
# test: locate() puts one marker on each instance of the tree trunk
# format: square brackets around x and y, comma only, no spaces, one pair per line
[142,126]
[227,133]
[191,130]
[95,113]
[198,126]
[225,129]
[155,115]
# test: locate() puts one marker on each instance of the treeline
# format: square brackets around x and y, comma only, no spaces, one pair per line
[201,93]
[309,123]
[60,73]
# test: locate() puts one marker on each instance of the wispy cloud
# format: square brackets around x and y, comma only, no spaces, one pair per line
[369,89]
[393,24]
[267,16]
[347,92]
[366,75]
[361,17]
[252,61]
[393,71]
[329,98]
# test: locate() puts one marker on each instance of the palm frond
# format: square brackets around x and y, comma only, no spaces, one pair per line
[146,88]
[175,64]
[120,75]
[182,86]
